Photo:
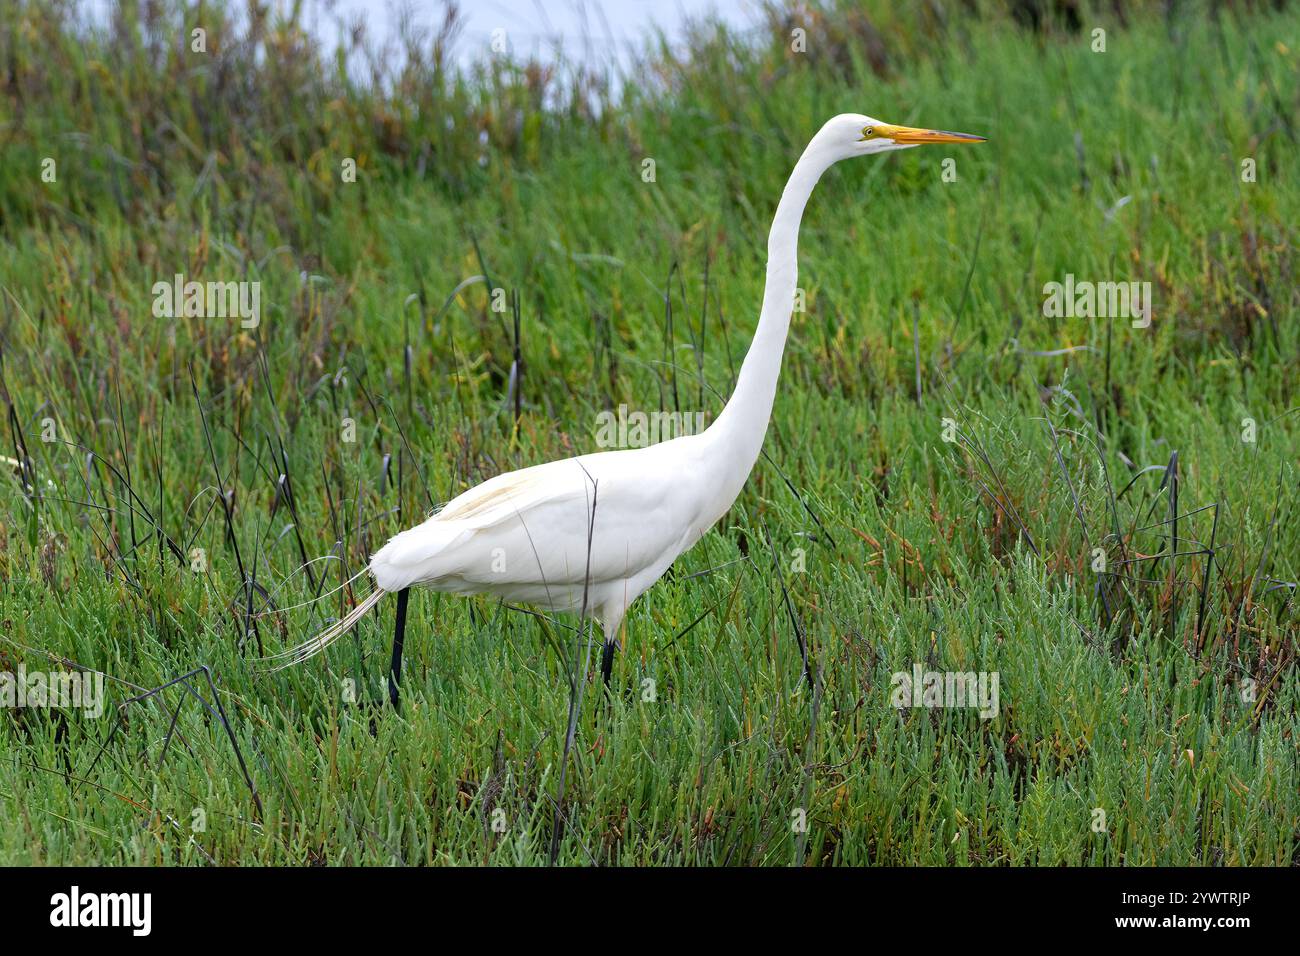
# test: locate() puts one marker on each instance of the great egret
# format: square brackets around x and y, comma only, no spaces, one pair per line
[595,532]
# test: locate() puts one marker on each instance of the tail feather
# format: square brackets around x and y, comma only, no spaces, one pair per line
[310,648]
[414,555]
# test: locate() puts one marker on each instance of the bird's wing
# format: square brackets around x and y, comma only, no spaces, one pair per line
[498,498]
[532,527]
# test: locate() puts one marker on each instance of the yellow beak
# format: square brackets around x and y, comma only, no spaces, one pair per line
[909,135]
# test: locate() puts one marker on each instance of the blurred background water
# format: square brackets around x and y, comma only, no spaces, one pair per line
[590,33]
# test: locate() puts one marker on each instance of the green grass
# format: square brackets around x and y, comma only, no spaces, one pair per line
[888,545]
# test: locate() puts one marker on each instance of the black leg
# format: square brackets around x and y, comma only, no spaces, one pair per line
[399,635]
[607,660]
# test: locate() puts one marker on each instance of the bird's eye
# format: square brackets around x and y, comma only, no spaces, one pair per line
[866,133]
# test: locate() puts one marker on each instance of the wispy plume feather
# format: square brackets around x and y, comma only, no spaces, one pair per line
[312,647]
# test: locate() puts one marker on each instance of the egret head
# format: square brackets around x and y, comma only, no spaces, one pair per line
[853,134]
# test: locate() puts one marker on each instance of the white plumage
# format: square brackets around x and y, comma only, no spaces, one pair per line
[523,536]
[598,530]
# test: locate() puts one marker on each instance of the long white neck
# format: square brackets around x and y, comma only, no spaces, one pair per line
[737,433]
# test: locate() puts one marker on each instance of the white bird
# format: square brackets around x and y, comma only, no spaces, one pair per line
[593,533]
